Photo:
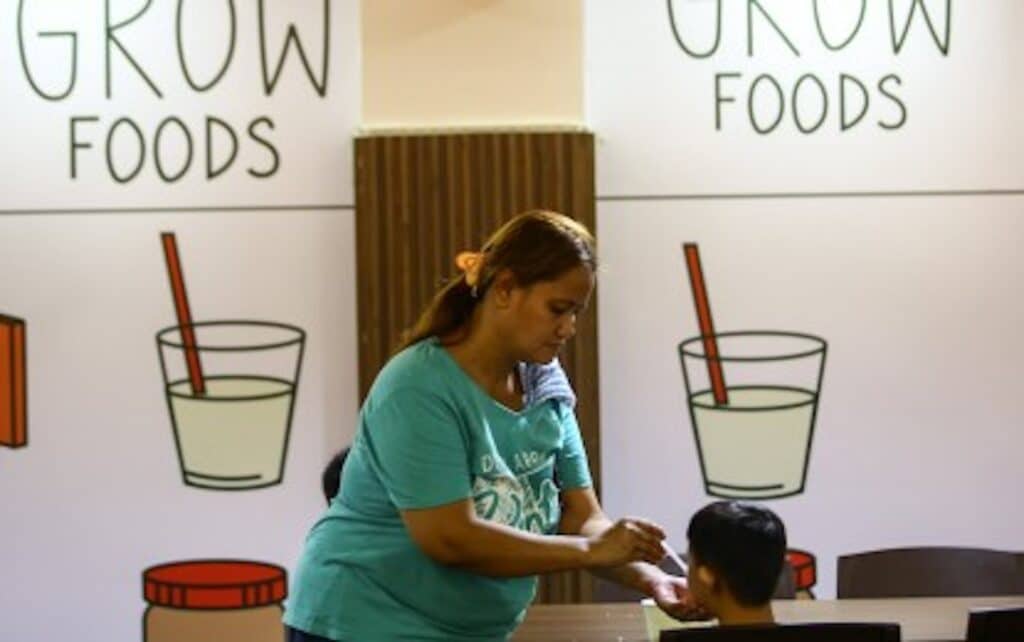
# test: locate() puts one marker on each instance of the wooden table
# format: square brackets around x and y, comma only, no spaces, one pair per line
[937,619]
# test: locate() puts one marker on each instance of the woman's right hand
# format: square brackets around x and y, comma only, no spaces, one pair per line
[628,540]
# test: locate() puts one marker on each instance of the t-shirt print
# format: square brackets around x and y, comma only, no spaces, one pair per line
[527,500]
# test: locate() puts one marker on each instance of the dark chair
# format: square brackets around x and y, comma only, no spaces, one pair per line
[995,625]
[605,591]
[817,632]
[1020,573]
[928,572]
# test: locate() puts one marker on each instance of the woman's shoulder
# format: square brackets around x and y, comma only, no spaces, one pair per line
[417,368]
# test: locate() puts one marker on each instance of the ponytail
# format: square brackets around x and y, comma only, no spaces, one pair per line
[446,314]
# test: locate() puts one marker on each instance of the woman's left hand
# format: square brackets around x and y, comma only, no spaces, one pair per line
[671,594]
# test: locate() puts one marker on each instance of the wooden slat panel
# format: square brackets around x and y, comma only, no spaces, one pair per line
[422,199]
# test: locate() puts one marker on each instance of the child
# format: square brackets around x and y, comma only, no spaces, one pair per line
[736,554]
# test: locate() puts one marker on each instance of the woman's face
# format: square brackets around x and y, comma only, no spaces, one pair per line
[540,318]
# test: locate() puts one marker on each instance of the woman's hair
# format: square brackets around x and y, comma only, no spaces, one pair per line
[534,246]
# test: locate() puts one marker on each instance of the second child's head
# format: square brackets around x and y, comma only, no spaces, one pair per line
[737,551]
[331,477]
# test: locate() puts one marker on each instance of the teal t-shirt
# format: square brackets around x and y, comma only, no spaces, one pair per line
[428,436]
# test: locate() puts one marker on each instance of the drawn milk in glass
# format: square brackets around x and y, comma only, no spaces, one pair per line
[234,433]
[758,443]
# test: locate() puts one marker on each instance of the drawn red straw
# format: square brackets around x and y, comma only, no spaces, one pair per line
[181,308]
[707,326]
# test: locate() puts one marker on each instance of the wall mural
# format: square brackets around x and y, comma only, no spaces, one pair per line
[13,385]
[805,572]
[183,54]
[786,139]
[193,106]
[225,130]
[230,387]
[214,599]
[753,435]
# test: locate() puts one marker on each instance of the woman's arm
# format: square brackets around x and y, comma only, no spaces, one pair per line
[452,534]
[582,515]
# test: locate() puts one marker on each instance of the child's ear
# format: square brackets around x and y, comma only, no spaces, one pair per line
[707,577]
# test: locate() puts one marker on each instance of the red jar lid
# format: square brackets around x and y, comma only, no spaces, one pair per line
[214,584]
[804,568]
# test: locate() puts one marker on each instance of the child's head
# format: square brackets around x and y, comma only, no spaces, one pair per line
[736,555]
[331,478]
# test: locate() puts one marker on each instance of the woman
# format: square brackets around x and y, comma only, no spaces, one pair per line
[467,476]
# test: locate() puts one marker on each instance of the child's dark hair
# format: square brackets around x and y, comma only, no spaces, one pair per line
[331,478]
[744,544]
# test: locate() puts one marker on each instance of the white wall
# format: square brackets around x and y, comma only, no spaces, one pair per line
[915,293]
[97,494]
[465,64]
